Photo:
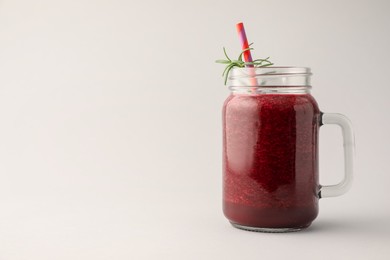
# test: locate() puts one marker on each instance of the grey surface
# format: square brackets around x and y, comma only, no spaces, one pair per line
[110,126]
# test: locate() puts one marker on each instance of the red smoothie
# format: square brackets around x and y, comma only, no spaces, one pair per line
[270,160]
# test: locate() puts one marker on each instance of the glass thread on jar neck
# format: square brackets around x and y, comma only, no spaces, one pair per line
[271,90]
[270,80]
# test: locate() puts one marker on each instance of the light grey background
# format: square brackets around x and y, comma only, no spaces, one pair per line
[110,126]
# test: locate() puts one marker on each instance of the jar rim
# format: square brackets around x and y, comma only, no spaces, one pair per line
[270,70]
[281,76]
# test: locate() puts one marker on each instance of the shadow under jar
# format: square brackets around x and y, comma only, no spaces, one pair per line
[270,150]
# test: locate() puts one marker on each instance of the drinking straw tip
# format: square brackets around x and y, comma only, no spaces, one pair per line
[244,43]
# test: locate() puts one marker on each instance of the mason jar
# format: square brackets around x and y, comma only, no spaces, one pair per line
[271,128]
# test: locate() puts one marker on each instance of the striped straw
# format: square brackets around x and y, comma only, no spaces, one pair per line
[244,43]
[247,55]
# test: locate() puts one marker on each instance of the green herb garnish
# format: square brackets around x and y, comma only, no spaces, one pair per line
[240,63]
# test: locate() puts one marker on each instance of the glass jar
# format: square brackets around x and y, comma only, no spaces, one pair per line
[270,150]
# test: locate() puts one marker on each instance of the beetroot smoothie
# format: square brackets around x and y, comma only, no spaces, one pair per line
[270,160]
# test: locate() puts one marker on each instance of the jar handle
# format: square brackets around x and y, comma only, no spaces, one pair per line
[349,152]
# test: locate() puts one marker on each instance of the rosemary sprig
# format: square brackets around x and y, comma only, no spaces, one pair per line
[240,63]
